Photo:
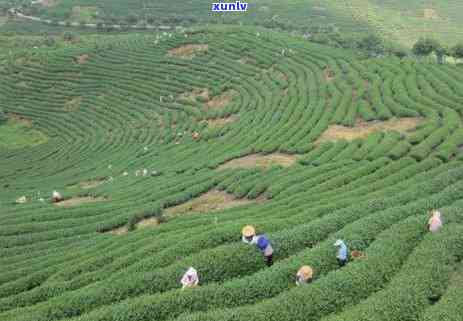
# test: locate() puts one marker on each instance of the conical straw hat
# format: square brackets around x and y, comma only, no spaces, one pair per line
[248,231]
[306,272]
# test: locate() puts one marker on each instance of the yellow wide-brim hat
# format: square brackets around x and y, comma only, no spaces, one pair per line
[306,272]
[248,231]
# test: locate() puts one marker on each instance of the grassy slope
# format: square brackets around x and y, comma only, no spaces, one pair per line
[405,21]
[16,135]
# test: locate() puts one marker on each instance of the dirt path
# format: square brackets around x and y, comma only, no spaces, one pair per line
[363,129]
[258,160]
[209,202]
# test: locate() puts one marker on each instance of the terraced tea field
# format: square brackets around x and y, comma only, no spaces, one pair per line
[165,145]
[402,22]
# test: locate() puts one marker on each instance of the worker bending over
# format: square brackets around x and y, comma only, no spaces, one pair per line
[261,241]
[342,252]
[56,197]
[304,275]
[435,222]
[190,279]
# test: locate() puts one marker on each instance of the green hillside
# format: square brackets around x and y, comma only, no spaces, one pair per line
[406,21]
[400,21]
[165,145]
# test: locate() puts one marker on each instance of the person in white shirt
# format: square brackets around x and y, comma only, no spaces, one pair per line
[56,197]
[342,255]
[435,222]
[190,279]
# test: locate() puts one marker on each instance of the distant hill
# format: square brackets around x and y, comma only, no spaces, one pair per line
[400,21]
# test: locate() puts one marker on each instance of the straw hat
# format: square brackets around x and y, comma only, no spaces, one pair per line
[248,231]
[306,272]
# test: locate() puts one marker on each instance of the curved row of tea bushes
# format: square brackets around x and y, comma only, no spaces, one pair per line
[423,278]
[444,179]
[328,294]
[231,293]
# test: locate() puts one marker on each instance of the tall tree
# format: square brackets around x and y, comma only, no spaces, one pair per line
[424,47]
[441,52]
[132,19]
[372,44]
[457,51]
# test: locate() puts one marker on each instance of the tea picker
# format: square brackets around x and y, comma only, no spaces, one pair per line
[304,275]
[435,222]
[190,279]
[21,200]
[342,252]
[56,197]
[261,241]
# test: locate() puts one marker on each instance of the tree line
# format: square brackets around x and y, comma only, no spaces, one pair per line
[427,46]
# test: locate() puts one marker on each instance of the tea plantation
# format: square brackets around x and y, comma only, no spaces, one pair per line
[402,22]
[135,125]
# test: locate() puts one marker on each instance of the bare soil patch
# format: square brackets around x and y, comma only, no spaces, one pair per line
[357,254]
[192,95]
[21,61]
[92,183]
[219,122]
[79,201]
[209,202]
[82,59]
[258,160]
[119,231]
[145,223]
[20,119]
[221,100]
[247,60]
[328,74]
[188,51]
[429,13]
[148,222]
[87,184]
[280,75]
[363,129]
[73,105]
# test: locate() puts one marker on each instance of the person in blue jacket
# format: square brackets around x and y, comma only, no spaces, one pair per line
[342,255]
[261,241]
